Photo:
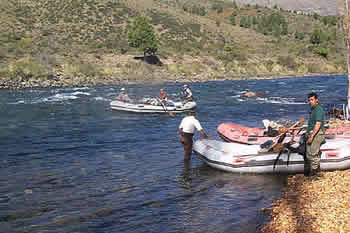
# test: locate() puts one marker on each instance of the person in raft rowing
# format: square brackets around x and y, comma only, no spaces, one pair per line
[163,96]
[187,129]
[123,96]
[187,94]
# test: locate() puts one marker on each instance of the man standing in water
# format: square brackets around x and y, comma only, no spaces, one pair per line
[315,136]
[186,130]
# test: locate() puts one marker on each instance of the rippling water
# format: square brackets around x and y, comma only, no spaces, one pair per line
[70,164]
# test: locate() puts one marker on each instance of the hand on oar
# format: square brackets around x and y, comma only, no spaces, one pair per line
[172,114]
[278,145]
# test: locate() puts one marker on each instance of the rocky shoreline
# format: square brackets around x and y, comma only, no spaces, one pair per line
[59,80]
[312,206]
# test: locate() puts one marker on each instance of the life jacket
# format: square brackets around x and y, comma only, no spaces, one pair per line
[185,93]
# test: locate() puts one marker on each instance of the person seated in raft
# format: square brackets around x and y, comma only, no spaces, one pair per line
[123,96]
[187,94]
[163,96]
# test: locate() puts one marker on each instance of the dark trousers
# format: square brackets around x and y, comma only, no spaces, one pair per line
[313,155]
[188,143]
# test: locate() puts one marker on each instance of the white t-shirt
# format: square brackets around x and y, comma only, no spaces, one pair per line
[189,124]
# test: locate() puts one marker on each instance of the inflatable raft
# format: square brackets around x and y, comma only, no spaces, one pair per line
[149,107]
[231,132]
[240,158]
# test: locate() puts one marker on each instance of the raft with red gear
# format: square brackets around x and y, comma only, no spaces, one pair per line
[232,132]
[243,158]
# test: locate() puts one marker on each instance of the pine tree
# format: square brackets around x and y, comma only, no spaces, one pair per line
[141,36]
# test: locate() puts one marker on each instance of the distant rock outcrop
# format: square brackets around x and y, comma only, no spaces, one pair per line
[322,7]
[252,94]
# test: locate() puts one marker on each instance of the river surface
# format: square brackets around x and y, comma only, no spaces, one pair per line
[68,163]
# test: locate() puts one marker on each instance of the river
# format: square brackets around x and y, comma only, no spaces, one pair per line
[68,163]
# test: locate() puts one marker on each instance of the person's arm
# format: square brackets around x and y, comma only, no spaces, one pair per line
[203,134]
[182,140]
[127,98]
[200,130]
[314,132]
[181,132]
[189,93]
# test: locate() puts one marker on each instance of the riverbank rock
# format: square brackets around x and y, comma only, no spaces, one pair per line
[251,94]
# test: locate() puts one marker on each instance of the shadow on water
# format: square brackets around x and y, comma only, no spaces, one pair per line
[230,202]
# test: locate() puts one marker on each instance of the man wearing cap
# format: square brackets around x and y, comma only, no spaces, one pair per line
[186,130]
[187,93]
[123,96]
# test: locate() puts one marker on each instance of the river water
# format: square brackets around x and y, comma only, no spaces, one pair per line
[68,163]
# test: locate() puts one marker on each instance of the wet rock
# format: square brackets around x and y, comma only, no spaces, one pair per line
[251,94]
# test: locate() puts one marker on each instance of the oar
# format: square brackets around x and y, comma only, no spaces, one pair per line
[164,107]
[281,138]
[294,126]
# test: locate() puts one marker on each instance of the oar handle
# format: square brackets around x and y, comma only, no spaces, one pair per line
[291,128]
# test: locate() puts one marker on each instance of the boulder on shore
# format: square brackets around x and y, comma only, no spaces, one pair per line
[252,94]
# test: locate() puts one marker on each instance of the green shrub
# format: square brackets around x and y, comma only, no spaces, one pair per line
[330,20]
[321,51]
[217,7]
[233,19]
[316,16]
[299,35]
[142,36]
[273,24]
[232,52]
[315,37]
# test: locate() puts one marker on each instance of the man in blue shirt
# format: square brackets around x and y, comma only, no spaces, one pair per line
[315,136]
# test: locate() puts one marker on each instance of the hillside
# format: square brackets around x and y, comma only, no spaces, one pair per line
[84,42]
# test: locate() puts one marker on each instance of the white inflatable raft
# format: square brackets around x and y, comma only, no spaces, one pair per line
[240,158]
[152,108]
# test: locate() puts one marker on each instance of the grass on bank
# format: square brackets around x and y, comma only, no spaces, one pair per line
[42,38]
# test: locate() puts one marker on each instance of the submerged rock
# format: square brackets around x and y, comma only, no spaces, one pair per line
[251,94]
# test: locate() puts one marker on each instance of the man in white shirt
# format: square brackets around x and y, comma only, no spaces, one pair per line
[187,128]
[123,96]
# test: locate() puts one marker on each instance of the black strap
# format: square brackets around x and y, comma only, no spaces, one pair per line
[278,156]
